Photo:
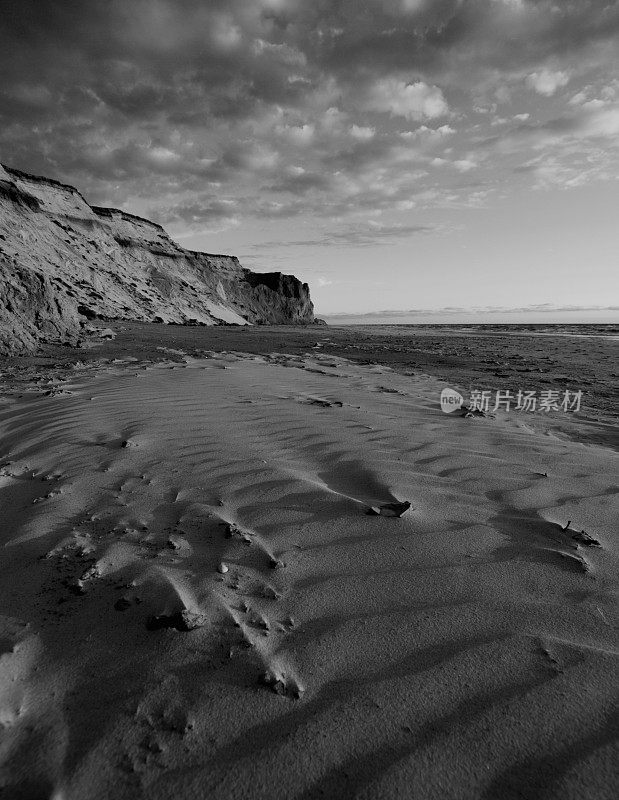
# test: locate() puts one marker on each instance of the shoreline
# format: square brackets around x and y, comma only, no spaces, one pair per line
[493,364]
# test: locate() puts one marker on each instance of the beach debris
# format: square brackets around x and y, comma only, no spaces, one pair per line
[601,613]
[569,522]
[389,509]
[473,412]
[317,401]
[552,659]
[584,539]
[184,620]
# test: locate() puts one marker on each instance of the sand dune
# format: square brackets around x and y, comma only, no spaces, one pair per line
[195,602]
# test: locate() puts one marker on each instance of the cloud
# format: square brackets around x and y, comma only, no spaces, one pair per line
[424,131]
[413,101]
[204,214]
[298,107]
[602,123]
[362,133]
[465,165]
[367,234]
[547,82]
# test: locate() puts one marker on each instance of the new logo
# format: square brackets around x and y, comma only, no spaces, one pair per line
[451,400]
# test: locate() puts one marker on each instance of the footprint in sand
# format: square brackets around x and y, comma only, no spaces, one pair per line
[247,537]
[262,629]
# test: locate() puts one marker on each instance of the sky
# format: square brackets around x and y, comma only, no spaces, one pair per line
[446,159]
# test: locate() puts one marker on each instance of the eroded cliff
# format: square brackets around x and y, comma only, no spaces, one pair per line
[63,261]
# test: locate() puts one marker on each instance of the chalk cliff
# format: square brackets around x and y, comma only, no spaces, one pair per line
[63,261]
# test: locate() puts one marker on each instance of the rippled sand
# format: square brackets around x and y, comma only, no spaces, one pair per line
[195,602]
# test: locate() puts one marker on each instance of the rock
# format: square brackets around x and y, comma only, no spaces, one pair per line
[282,685]
[389,509]
[184,620]
[223,568]
[63,262]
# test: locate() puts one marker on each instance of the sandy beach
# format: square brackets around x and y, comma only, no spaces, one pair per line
[206,592]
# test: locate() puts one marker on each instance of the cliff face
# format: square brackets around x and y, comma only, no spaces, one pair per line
[63,261]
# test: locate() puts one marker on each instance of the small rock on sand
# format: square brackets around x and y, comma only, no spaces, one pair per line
[184,620]
[281,685]
[389,509]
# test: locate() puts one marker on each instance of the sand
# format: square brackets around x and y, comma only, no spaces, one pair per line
[196,603]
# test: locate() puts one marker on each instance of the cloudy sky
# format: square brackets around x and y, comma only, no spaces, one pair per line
[396,154]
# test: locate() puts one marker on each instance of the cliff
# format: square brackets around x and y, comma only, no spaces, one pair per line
[63,261]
